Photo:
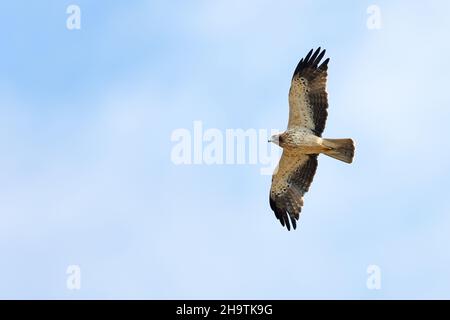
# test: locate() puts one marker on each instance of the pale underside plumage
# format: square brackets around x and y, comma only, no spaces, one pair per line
[308,103]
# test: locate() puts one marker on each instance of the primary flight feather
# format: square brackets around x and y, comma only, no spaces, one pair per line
[302,142]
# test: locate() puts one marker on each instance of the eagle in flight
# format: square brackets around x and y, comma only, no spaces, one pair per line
[302,142]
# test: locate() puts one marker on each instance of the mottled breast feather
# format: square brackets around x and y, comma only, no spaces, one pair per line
[308,99]
[290,181]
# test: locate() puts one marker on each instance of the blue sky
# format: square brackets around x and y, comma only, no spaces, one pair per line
[86,176]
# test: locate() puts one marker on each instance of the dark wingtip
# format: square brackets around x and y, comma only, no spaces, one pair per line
[311,61]
[308,55]
[286,220]
[294,223]
[314,56]
[319,57]
[324,64]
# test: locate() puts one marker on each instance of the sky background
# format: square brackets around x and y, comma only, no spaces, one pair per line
[86,176]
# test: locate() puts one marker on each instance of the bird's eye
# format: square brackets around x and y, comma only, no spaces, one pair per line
[280,139]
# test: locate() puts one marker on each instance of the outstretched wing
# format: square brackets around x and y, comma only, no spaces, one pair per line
[290,181]
[308,98]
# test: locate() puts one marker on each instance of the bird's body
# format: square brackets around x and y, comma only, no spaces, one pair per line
[302,142]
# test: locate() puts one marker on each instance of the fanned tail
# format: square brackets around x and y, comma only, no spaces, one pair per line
[341,149]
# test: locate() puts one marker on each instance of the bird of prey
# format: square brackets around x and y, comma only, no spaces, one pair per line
[302,142]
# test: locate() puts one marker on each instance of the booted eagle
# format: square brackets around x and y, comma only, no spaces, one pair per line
[302,142]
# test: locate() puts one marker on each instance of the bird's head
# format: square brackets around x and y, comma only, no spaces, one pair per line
[276,138]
